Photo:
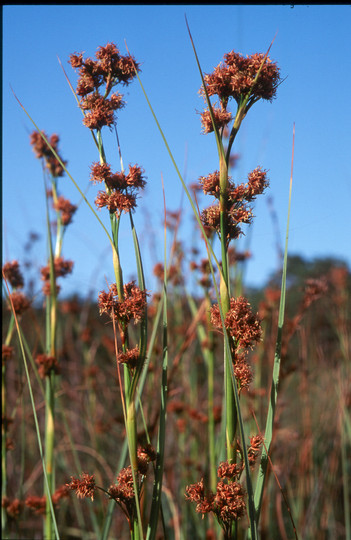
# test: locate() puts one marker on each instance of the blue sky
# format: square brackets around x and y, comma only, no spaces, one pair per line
[312,51]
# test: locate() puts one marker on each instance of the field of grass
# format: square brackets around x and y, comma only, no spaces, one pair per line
[215,412]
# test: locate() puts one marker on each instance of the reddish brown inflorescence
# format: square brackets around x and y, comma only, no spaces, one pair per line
[66,208]
[84,486]
[235,78]
[234,202]
[42,150]
[13,508]
[13,274]
[47,365]
[227,503]
[131,307]
[121,189]
[19,302]
[109,69]
[37,504]
[242,324]
[62,268]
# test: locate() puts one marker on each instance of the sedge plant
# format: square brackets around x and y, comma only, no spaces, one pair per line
[222,495]
[246,81]
[123,302]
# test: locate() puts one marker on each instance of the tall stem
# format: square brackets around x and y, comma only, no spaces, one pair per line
[231,413]
[131,425]
[49,451]
[51,322]
[210,386]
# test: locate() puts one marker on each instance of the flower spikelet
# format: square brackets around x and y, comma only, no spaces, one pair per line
[84,486]
[242,371]
[38,504]
[254,449]
[101,113]
[125,483]
[229,470]
[13,508]
[221,119]
[116,202]
[100,172]
[130,357]
[20,302]
[42,150]
[210,184]
[132,306]
[46,365]
[196,493]
[135,177]
[62,268]
[109,69]
[235,77]
[13,274]
[66,208]
[229,502]
[240,322]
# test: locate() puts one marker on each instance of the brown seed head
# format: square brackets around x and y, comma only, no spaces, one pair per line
[20,303]
[47,365]
[38,504]
[241,323]
[66,208]
[221,119]
[84,487]
[13,508]
[13,274]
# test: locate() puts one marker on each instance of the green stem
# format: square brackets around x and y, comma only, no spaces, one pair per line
[210,406]
[131,425]
[231,412]
[51,328]
[49,452]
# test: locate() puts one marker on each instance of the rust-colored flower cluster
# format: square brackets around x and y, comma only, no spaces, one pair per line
[13,507]
[13,274]
[96,80]
[236,197]
[221,119]
[228,502]
[130,357]
[123,490]
[17,300]
[254,449]
[131,307]
[235,78]
[42,150]
[244,327]
[46,365]
[38,504]
[242,324]
[62,268]
[121,189]
[66,209]
[84,486]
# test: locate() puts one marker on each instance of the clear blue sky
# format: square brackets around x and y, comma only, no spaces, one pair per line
[312,48]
